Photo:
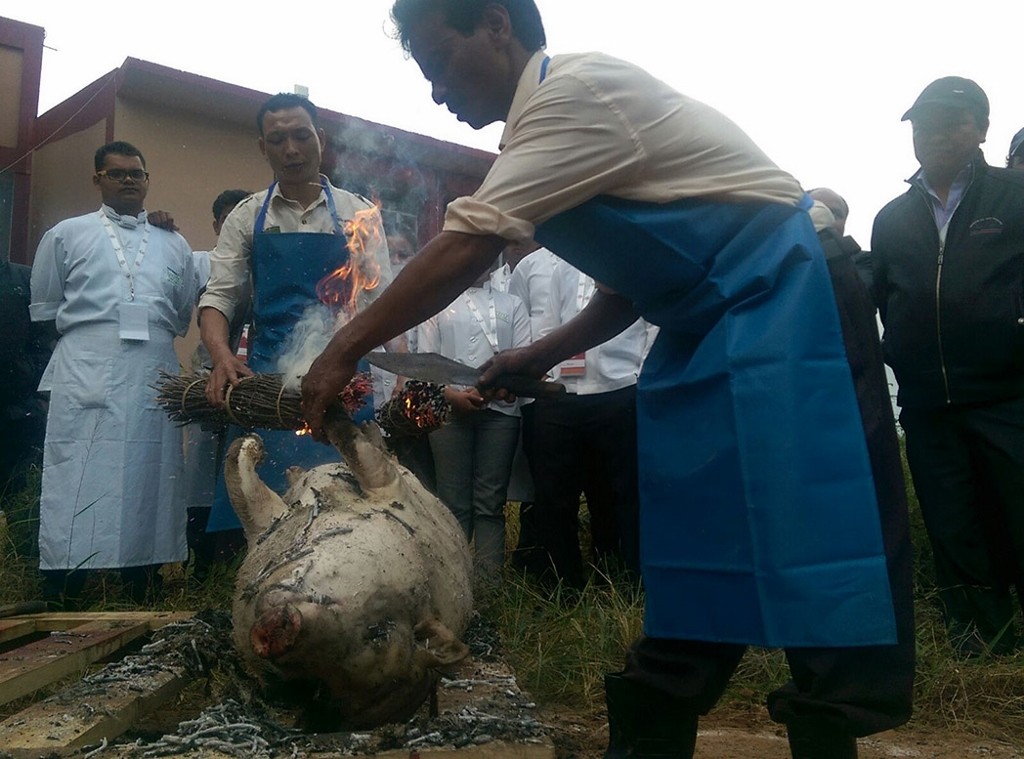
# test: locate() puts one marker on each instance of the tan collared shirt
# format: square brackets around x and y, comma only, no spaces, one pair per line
[601,126]
[230,284]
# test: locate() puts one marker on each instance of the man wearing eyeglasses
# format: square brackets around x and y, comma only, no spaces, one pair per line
[948,260]
[119,289]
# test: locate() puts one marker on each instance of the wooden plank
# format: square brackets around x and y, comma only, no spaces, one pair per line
[59,722]
[15,628]
[26,669]
[56,620]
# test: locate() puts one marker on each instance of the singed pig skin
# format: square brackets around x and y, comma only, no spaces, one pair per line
[362,591]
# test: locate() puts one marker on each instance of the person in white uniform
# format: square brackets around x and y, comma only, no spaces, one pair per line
[204,448]
[119,289]
[473,453]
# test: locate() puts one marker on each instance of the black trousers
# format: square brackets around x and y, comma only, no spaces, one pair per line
[585,444]
[861,690]
[967,463]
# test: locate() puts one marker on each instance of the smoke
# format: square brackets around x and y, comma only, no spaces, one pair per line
[307,340]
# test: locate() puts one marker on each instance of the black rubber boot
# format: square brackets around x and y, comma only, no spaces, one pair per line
[644,723]
[813,739]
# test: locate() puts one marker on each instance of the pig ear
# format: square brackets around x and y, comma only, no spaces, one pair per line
[438,647]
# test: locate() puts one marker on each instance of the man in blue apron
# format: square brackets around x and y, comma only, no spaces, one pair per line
[273,250]
[761,522]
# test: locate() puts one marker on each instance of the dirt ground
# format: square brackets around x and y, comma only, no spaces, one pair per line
[734,734]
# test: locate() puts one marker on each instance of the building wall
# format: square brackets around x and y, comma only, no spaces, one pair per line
[62,187]
[191,160]
[11,67]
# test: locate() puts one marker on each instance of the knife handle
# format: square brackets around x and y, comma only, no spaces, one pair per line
[527,387]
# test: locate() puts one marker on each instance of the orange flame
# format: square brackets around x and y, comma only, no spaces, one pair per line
[341,288]
[304,431]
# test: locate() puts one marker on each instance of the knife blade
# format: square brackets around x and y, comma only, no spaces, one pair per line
[433,367]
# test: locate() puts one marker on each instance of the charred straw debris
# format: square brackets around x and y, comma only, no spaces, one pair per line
[245,722]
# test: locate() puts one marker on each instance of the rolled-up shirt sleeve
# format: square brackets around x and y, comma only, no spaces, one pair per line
[230,285]
[48,277]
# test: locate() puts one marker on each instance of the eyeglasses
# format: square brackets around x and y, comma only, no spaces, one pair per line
[119,175]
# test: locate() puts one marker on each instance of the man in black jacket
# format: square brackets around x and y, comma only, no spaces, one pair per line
[948,259]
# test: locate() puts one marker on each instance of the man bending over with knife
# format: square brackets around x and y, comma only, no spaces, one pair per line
[761,523]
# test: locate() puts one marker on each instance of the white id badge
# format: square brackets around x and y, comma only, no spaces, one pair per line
[134,321]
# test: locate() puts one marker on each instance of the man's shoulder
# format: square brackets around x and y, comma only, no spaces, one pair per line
[1005,180]
[77,223]
[353,199]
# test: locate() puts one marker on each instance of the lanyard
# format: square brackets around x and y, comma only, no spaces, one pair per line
[584,291]
[544,68]
[115,240]
[490,327]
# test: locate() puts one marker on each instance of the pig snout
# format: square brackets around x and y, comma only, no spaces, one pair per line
[274,633]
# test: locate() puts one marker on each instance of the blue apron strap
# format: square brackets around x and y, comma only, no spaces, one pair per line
[261,217]
[330,205]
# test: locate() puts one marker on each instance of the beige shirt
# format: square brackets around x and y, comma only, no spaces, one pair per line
[601,126]
[230,285]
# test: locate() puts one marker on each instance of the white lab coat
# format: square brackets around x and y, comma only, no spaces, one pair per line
[112,459]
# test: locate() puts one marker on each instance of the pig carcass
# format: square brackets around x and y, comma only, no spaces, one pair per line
[357,584]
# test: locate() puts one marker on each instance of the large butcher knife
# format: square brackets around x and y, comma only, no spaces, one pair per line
[433,367]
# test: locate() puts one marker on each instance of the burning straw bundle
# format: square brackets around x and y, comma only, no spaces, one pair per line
[261,400]
[419,408]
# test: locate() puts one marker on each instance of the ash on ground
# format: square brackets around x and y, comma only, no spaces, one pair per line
[478,702]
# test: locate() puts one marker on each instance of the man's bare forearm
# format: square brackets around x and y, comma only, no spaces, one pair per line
[214,332]
[602,319]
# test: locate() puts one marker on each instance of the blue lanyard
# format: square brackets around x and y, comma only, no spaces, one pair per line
[544,68]
[261,218]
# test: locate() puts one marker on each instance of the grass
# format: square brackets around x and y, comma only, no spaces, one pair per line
[560,647]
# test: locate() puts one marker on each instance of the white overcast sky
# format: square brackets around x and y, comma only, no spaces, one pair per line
[819,86]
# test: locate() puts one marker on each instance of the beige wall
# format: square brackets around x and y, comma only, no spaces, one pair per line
[191,160]
[62,180]
[10,94]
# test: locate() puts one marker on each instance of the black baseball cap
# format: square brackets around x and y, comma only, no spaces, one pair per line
[954,91]
[1016,145]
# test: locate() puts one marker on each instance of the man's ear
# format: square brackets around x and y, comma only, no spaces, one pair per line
[262,146]
[495,19]
[96,180]
[322,136]
[983,128]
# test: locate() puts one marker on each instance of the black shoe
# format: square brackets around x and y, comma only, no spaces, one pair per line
[816,739]
[644,723]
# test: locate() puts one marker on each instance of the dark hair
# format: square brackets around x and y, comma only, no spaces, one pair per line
[282,101]
[228,199]
[116,148]
[464,16]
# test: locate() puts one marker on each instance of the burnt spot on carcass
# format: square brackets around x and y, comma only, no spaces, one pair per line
[349,479]
[379,633]
[271,529]
[328,534]
[398,505]
[409,528]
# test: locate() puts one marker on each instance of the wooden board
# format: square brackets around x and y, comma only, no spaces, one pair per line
[75,641]
[55,723]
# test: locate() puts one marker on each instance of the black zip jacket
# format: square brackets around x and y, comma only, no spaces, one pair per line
[954,314]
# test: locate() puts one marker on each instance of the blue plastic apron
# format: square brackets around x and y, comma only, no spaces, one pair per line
[758,517]
[286,267]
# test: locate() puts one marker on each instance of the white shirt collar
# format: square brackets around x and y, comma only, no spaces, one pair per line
[529,81]
[126,221]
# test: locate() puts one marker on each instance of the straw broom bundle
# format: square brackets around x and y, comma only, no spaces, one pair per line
[263,401]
